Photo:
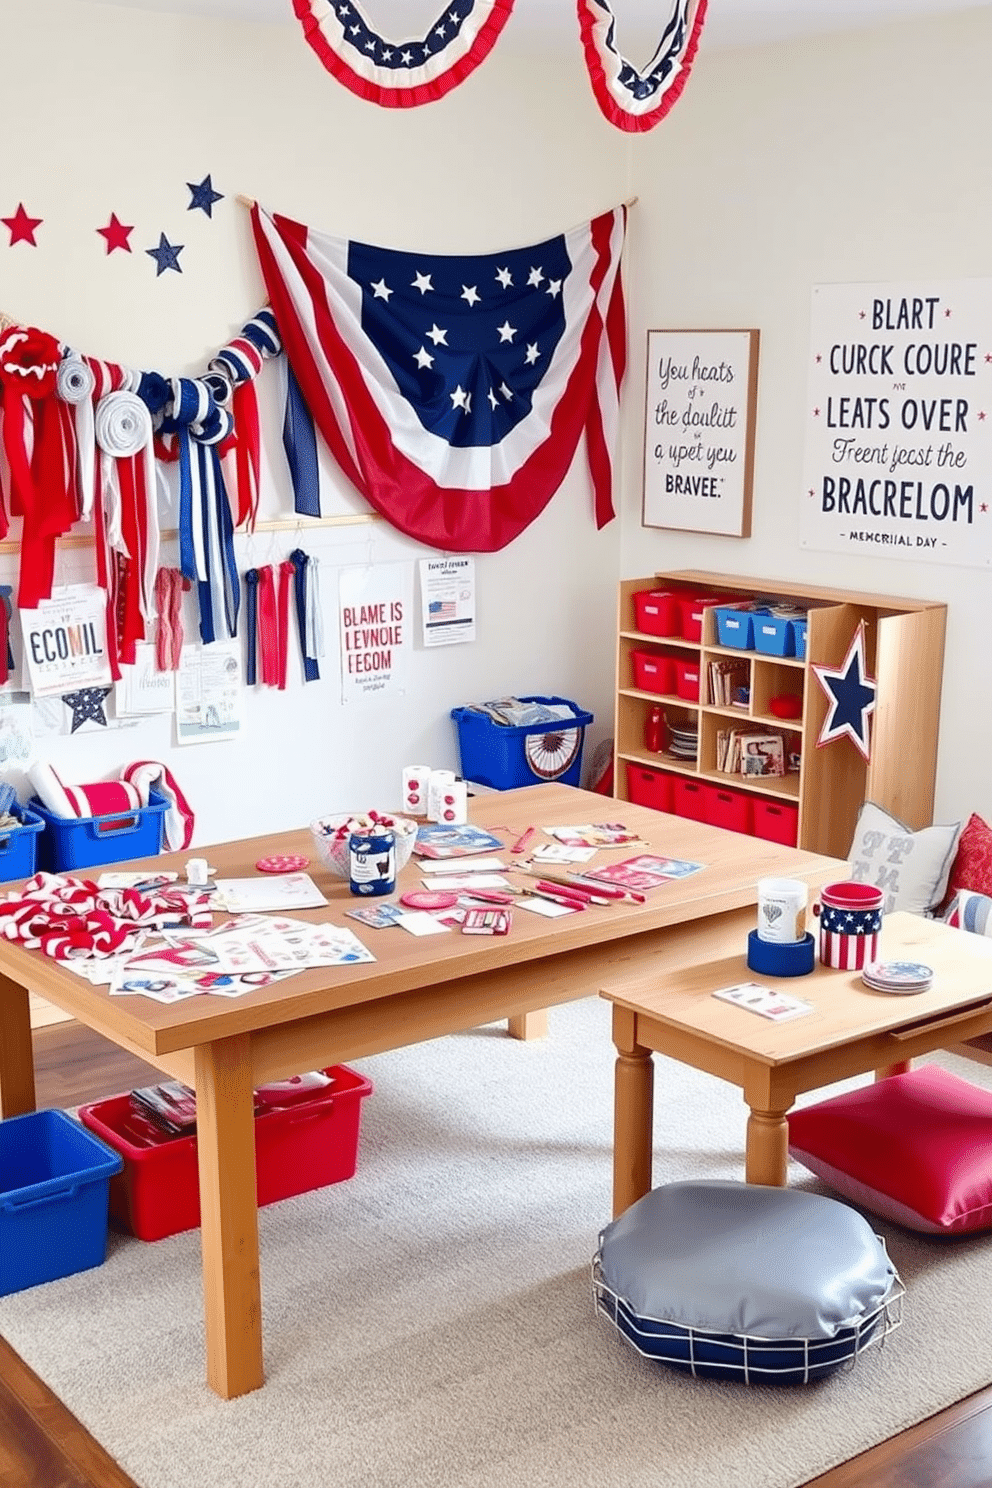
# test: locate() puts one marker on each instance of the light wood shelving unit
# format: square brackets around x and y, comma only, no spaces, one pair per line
[904,655]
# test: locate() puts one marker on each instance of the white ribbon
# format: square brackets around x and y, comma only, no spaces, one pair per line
[312,613]
[75,384]
[123,427]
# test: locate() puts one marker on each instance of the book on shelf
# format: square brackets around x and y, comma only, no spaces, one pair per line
[728,676]
[749,752]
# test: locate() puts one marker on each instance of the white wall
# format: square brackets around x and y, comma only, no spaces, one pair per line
[111,109]
[855,157]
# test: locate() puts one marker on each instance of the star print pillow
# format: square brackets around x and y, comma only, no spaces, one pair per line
[910,867]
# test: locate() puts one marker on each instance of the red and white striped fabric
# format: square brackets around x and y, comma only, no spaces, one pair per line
[637,99]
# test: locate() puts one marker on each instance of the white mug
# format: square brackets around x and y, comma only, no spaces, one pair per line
[781,909]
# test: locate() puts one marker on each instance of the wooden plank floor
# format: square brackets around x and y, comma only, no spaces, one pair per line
[43,1446]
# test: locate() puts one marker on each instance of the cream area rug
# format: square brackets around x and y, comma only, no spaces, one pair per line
[430,1321]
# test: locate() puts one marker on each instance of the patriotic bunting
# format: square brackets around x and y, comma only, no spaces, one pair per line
[402,74]
[638,100]
[453,390]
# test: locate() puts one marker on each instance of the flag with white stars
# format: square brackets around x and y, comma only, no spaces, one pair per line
[636,99]
[401,74]
[453,390]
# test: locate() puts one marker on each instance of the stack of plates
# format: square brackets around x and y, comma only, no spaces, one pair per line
[898,976]
[684,742]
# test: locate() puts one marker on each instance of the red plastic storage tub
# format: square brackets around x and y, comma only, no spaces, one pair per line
[691,607]
[777,821]
[730,809]
[656,612]
[687,679]
[689,797]
[298,1147]
[649,787]
[653,672]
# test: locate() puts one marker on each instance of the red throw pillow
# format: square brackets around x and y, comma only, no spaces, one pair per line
[972,867]
[915,1148]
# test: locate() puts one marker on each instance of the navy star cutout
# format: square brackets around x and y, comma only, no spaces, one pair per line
[166,255]
[203,195]
[87,706]
[851,694]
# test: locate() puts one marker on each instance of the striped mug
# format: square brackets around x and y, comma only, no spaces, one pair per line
[850,919]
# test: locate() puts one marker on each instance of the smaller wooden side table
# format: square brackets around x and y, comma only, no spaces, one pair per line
[850,1031]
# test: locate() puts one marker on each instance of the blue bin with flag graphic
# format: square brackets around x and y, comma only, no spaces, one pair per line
[504,756]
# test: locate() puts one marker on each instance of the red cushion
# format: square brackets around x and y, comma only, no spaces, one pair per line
[916,1148]
[972,867]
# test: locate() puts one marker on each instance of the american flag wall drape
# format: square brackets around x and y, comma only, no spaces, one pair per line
[453,390]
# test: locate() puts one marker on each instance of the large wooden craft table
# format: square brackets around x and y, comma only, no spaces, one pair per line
[414,990]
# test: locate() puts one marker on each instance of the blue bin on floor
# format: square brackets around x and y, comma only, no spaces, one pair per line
[19,845]
[54,1197]
[503,757]
[87,841]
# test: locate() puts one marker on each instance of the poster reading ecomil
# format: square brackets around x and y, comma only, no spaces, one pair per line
[898,458]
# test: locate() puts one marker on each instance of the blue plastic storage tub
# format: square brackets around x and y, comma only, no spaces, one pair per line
[504,757]
[799,637]
[735,628]
[774,635]
[19,845]
[54,1197]
[83,842]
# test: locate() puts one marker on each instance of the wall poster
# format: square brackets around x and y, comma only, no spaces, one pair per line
[898,453]
[701,393]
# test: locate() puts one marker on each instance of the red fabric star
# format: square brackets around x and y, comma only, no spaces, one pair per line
[21,226]
[116,233]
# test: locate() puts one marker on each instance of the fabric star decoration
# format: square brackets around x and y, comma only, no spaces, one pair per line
[851,695]
[22,227]
[166,255]
[203,196]
[87,706]
[116,233]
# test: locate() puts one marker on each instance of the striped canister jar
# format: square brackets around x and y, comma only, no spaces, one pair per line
[850,919]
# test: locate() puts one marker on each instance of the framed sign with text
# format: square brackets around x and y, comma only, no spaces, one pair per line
[701,394]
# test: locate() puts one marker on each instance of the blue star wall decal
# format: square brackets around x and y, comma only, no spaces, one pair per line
[166,255]
[851,695]
[203,195]
[87,706]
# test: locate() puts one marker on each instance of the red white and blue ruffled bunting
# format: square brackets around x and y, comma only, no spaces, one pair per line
[638,100]
[401,74]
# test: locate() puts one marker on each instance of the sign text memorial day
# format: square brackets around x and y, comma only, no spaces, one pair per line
[899,421]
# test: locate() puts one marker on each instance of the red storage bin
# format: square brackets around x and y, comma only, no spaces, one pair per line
[777,821]
[730,809]
[689,797]
[649,787]
[301,1146]
[656,612]
[653,672]
[687,679]
[691,607]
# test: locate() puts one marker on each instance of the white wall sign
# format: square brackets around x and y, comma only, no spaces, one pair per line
[374,623]
[65,641]
[898,456]
[699,430]
[447,600]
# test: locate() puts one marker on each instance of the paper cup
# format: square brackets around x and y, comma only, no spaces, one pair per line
[781,910]
[416,779]
[850,921]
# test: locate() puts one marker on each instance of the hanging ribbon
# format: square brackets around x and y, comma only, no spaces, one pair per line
[299,440]
[286,572]
[75,386]
[303,585]
[238,364]
[124,435]
[170,584]
[268,626]
[638,100]
[206,527]
[251,627]
[32,442]
[6,653]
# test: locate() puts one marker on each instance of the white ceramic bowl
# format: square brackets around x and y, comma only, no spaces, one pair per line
[333,850]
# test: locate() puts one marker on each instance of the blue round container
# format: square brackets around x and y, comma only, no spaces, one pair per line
[372,862]
[781,958]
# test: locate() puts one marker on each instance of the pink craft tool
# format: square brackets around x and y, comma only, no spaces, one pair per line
[523,840]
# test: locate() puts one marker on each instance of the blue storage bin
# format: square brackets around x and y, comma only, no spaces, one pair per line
[70,842]
[504,757]
[774,635]
[735,628]
[799,637]
[54,1197]
[19,845]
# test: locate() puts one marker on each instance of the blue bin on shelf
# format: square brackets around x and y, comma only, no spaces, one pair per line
[799,637]
[735,628]
[71,842]
[54,1198]
[503,757]
[774,635]
[19,845]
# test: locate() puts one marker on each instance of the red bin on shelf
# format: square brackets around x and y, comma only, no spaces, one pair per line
[730,809]
[653,672]
[656,612]
[776,821]
[687,679]
[647,787]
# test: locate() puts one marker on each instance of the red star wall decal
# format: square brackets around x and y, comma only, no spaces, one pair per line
[21,226]
[116,233]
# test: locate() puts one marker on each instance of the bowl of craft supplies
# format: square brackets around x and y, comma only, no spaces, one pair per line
[332,836]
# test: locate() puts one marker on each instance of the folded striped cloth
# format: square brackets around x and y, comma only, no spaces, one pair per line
[110,797]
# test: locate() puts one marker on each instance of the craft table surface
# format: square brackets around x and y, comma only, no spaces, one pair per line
[416,989]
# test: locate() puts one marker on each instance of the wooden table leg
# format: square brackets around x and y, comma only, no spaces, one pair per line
[232,1295]
[16,1051]
[767,1153]
[902,1068]
[528,1025]
[633,1113]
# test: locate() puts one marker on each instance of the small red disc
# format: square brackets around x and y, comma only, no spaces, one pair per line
[282,863]
[429,899]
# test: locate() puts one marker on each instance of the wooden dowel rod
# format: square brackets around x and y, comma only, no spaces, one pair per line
[275,524]
[246,201]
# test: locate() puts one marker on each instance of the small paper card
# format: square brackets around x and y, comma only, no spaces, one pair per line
[419,922]
[547,907]
[378,916]
[778,1006]
[558,852]
[463,865]
[470,882]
